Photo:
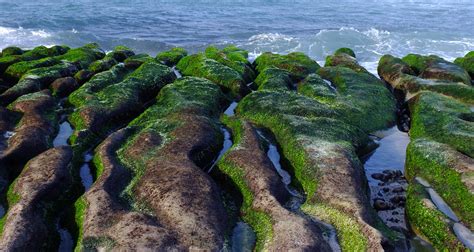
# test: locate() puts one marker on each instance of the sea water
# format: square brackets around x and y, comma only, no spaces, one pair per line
[370,27]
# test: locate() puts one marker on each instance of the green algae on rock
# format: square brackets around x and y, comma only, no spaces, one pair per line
[442,119]
[233,58]
[39,78]
[315,137]
[230,79]
[440,98]
[119,54]
[359,95]
[34,131]
[115,103]
[277,228]
[428,221]
[403,80]
[467,62]
[173,142]
[32,55]
[102,205]
[172,56]
[298,64]
[274,79]
[447,170]
[29,222]
[11,50]
[434,67]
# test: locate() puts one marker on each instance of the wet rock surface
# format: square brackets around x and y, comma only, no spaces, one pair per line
[440,97]
[320,143]
[287,230]
[131,230]
[34,131]
[35,195]
[124,151]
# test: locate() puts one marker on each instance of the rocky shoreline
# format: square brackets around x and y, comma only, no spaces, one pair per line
[180,151]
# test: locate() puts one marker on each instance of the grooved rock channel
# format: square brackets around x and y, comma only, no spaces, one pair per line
[119,151]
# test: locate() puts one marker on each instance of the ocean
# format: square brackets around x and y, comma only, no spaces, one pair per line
[372,28]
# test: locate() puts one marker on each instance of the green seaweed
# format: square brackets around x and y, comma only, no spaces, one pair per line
[172,56]
[429,222]
[436,163]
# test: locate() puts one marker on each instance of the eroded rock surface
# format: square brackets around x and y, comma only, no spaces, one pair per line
[440,98]
[34,198]
[264,195]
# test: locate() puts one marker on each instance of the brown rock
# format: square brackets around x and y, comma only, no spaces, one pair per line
[35,131]
[44,181]
[64,86]
[182,196]
[130,230]
[291,232]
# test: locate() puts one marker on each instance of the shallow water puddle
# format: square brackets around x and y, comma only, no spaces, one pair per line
[65,131]
[464,235]
[296,199]
[2,211]
[384,169]
[66,243]
[274,155]
[330,85]
[8,134]
[85,172]
[226,146]
[176,72]
[230,111]
[243,237]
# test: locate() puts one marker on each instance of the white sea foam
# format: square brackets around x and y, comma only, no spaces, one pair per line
[368,44]
[25,38]
[270,38]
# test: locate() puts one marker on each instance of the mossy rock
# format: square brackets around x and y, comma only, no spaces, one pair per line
[15,71]
[260,221]
[36,80]
[444,168]
[137,60]
[236,54]
[363,99]
[12,50]
[98,82]
[317,88]
[442,119]
[344,57]
[312,139]
[83,56]
[300,122]
[427,221]
[467,62]
[287,103]
[434,67]
[180,132]
[234,59]
[274,79]
[298,64]
[199,65]
[35,54]
[345,50]
[115,103]
[120,53]
[401,77]
[172,56]
[186,95]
